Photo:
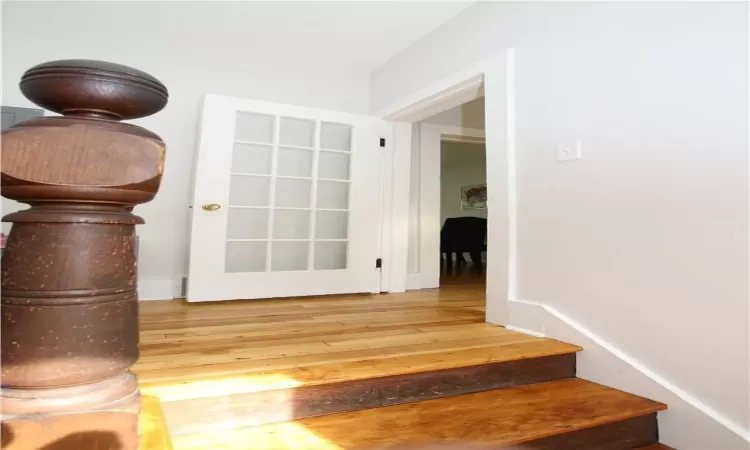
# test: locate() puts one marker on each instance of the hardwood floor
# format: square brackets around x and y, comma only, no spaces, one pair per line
[188,350]
[491,419]
[466,273]
[152,428]
[655,447]
[374,371]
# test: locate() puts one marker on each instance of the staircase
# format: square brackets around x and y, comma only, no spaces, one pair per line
[439,379]
[530,403]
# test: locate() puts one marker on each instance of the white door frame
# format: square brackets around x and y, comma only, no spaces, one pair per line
[494,78]
[429,214]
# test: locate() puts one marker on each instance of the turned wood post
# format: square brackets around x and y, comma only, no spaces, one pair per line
[69,298]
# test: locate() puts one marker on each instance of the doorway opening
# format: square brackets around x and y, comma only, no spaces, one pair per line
[448,214]
[462,194]
[413,243]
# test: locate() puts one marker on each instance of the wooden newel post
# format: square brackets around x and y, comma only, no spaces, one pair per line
[69,299]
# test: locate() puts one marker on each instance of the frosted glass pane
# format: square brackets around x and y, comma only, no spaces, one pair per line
[333,195]
[295,162]
[334,136]
[289,256]
[334,166]
[254,128]
[249,191]
[293,193]
[330,255]
[245,257]
[252,158]
[331,224]
[297,132]
[291,224]
[247,223]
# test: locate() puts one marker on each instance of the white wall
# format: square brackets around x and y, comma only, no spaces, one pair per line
[414,219]
[461,164]
[643,242]
[191,62]
[469,114]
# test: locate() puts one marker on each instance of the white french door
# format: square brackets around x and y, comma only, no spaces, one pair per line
[287,202]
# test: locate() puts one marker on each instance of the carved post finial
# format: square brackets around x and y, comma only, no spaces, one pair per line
[86,88]
[69,290]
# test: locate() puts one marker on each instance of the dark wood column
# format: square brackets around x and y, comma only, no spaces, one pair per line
[69,278]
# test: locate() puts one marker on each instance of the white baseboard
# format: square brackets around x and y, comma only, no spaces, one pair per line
[155,289]
[413,281]
[688,424]
[524,331]
[422,280]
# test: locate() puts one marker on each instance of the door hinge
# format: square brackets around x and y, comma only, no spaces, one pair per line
[382,142]
[379,263]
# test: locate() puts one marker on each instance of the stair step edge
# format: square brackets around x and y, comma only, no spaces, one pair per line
[499,417]
[656,446]
[338,372]
[258,408]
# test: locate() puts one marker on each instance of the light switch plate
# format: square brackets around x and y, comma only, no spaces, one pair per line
[569,151]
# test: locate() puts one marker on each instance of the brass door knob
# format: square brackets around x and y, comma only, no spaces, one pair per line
[210,207]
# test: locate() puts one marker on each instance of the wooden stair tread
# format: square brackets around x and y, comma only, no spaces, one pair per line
[152,428]
[656,446]
[350,365]
[198,415]
[499,417]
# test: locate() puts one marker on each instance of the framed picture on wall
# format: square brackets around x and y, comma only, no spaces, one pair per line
[474,197]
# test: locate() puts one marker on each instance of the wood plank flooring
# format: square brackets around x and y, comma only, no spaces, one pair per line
[210,349]
[656,447]
[489,419]
[409,370]
[152,428]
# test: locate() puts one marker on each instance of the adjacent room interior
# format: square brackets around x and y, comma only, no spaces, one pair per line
[463,193]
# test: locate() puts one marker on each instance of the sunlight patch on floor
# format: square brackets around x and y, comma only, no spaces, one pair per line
[217,387]
[280,436]
[152,429]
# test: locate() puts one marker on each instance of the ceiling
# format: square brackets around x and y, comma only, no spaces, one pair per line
[340,35]
[361,35]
